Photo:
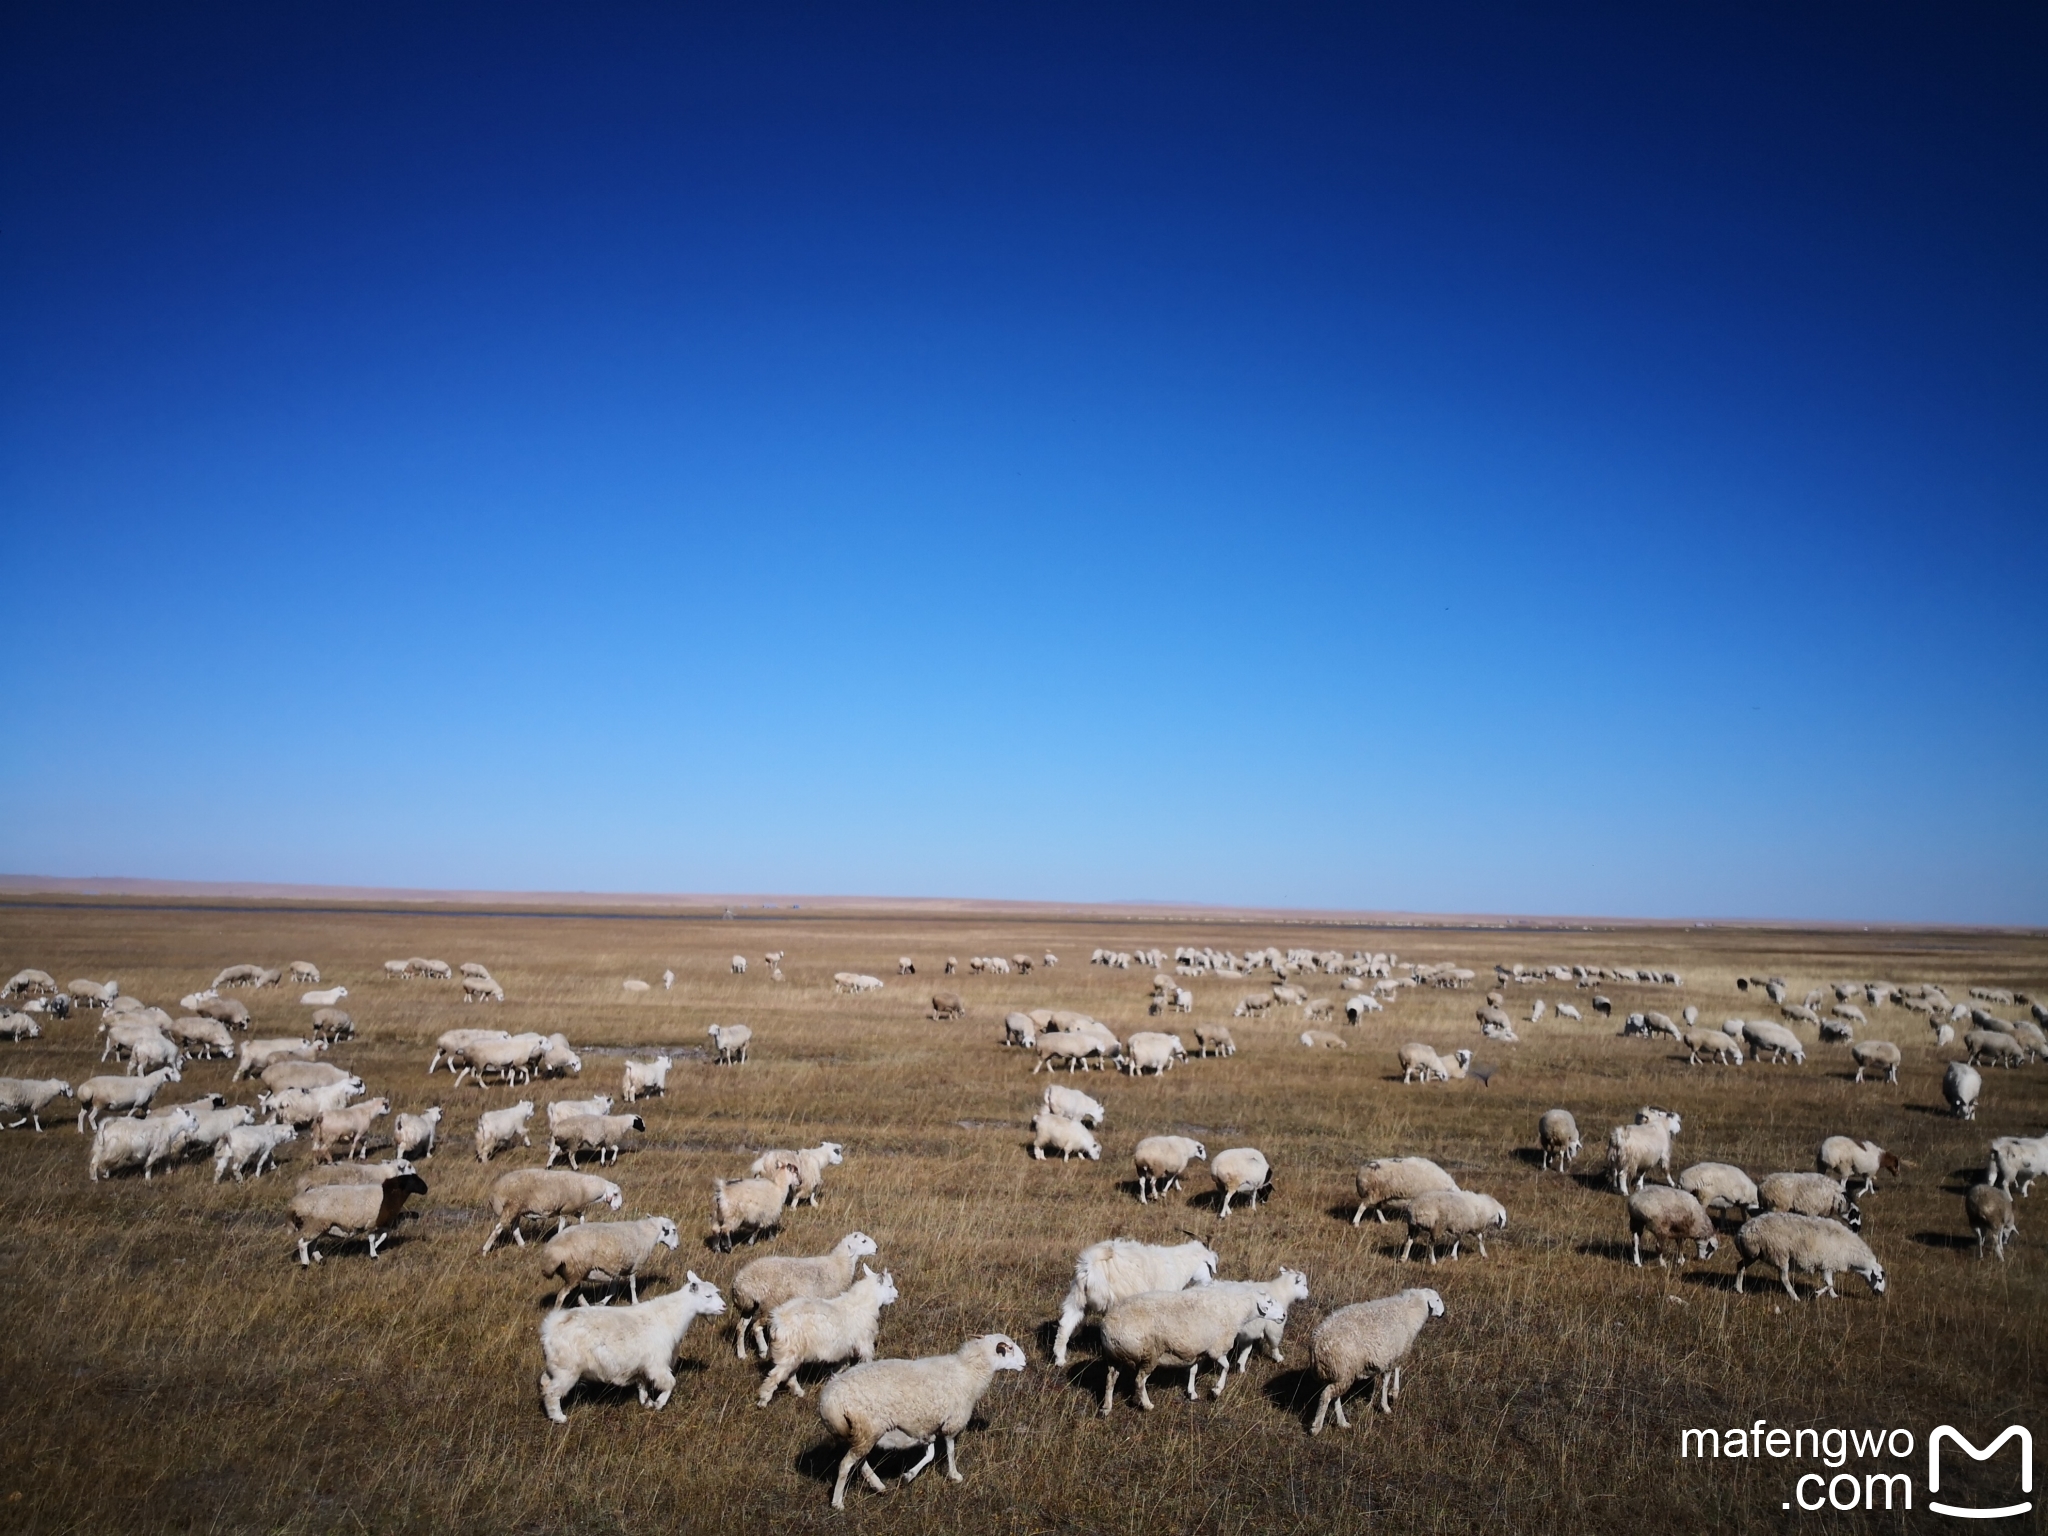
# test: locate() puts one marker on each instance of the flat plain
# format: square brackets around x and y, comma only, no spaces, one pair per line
[170,1368]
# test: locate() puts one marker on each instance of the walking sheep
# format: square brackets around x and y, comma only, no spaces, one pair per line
[605,1252]
[535,1194]
[1215,1040]
[1843,1158]
[1150,1051]
[1874,1056]
[1672,1218]
[1072,1103]
[1157,1330]
[1452,1215]
[351,1124]
[1808,1244]
[351,1210]
[1715,1045]
[1807,1194]
[497,1129]
[824,1330]
[2016,1161]
[100,1096]
[1368,1338]
[1720,1187]
[1387,1181]
[1961,1085]
[632,1346]
[1161,1160]
[898,1404]
[1240,1171]
[1774,1042]
[140,1144]
[1633,1151]
[765,1284]
[258,1054]
[645,1079]
[249,1147]
[603,1134]
[751,1205]
[1557,1135]
[1264,1328]
[1108,1271]
[731,1041]
[810,1164]
[1067,1137]
[28,1097]
[414,1134]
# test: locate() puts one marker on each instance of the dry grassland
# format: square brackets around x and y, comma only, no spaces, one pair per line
[169,1368]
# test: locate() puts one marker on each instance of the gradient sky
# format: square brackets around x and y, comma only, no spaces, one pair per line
[1464,458]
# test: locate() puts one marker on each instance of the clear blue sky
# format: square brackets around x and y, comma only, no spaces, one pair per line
[1544,459]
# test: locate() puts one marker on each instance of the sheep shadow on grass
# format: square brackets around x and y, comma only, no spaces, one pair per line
[1294,1392]
[820,1463]
[1947,1240]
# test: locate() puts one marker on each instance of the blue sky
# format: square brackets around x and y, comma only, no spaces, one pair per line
[1460,458]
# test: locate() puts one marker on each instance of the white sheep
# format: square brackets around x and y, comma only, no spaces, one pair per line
[414,1134]
[1150,1051]
[605,1252]
[326,998]
[1072,1103]
[558,1059]
[1634,1151]
[100,1096]
[1557,1135]
[603,1134]
[765,1284]
[1161,1160]
[1076,1050]
[453,1046]
[810,1164]
[1843,1158]
[514,1059]
[202,1037]
[482,989]
[824,1330]
[1990,1213]
[1807,1194]
[351,1123]
[631,1346]
[351,1210]
[1118,1267]
[645,1079]
[2016,1161]
[751,1205]
[28,1097]
[19,1026]
[1420,1062]
[1387,1181]
[1019,1029]
[731,1041]
[739,965]
[1453,1215]
[1368,1338]
[1773,1041]
[140,1144]
[1215,1040]
[1169,1329]
[1716,1045]
[325,1175]
[1720,1186]
[302,1106]
[249,1145]
[566,1109]
[1672,1218]
[898,1404]
[535,1194]
[1808,1244]
[635,986]
[1067,1137]
[1266,1328]
[497,1129]
[1961,1085]
[1240,1171]
[258,1054]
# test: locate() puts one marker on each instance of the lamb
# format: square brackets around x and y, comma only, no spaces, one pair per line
[1285,1288]
[1420,1062]
[413,1135]
[1178,1328]
[326,998]
[1453,1214]
[1721,1186]
[1072,1103]
[753,1205]
[824,1330]
[1108,1271]
[538,1193]
[497,1129]
[1557,1135]
[1368,1338]
[603,1134]
[1960,1085]
[897,1404]
[765,1284]
[1842,1158]
[645,1079]
[1214,1039]
[351,1124]
[1809,1244]
[610,1252]
[810,1164]
[1807,1194]
[1161,1160]
[1776,1040]
[453,1047]
[1714,1044]
[1240,1171]
[558,1059]
[1388,1181]
[1151,1051]
[351,1210]
[201,1037]
[1672,1218]
[99,1096]
[246,1145]
[137,1143]
[1019,1029]
[731,1041]
[1633,1151]
[2016,1161]
[1990,1212]
[1873,1055]
[621,1346]
[28,1097]
[258,1054]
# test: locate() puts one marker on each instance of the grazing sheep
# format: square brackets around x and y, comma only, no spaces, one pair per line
[947,1005]
[559,1059]
[1453,1215]
[1358,1006]
[535,1194]
[1809,1244]
[140,1144]
[1843,1158]
[1074,1049]
[739,965]
[1161,1160]
[514,1059]
[1388,1181]
[898,1404]
[1715,1045]
[303,973]
[1368,1338]
[1568,1011]
[1108,1271]
[1151,1051]
[351,1124]
[1994,1046]
[201,1037]
[1240,1171]
[1720,1186]
[824,1330]
[351,1210]
[1262,1328]
[497,1129]
[1215,1040]
[414,1134]
[19,1026]
[1633,1151]
[475,969]
[645,1079]
[1072,1103]
[224,1010]
[810,1164]
[258,1054]
[905,966]
[1420,1062]
[1255,1003]
[482,989]
[731,1041]
[1990,1212]
[1168,1329]
[753,1205]
[1065,1136]
[248,1145]
[603,1134]
[453,1047]
[2016,1161]
[1322,1037]
[621,1346]
[98,1096]
[1773,1042]
[1961,1085]
[1672,1218]
[1019,1029]
[606,1253]
[1807,1194]
[28,1097]
[765,1284]
[30,983]
[1875,1055]
[1557,1134]
[854,982]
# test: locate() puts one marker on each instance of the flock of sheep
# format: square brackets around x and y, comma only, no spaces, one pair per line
[1153,1307]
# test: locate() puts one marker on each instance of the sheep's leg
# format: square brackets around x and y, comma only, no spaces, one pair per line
[1785,1275]
[1193,1369]
[554,1386]
[1144,1398]
[952,1466]
[1827,1284]
[633,1286]
[1405,1247]
[1109,1392]
[760,1337]
[376,1238]
[1322,1408]
[931,1450]
[1220,1215]
[1337,1407]
[782,1372]
[873,1481]
[664,1378]
[1637,1239]
[1479,1238]
[1222,1375]
[1070,1319]
[304,1244]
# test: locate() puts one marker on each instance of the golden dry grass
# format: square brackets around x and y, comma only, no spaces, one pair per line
[170,1369]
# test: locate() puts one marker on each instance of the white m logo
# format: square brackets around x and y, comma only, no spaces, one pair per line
[1947,1431]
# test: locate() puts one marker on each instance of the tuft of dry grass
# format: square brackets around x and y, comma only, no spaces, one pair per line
[171,1369]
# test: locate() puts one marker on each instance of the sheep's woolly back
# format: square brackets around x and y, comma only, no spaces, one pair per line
[1108,1271]
[936,1395]
[1807,1242]
[547,1192]
[1371,1335]
[1167,1327]
[1387,1179]
[1719,1184]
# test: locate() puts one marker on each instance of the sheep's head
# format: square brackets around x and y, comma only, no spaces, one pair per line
[1875,1275]
[612,1197]
[857,1243]
[1002,1352]
[835,1154]
[665,1232]
[1429,1299]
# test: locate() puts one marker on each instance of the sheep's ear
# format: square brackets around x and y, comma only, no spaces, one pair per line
[693,1277]
[867,1271]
